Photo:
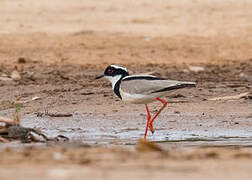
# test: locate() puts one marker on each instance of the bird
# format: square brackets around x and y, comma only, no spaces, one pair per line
[141,89]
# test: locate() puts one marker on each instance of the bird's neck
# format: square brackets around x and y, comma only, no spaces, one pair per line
[114,80]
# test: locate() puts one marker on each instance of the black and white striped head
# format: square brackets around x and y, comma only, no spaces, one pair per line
[114,73]
[114,70]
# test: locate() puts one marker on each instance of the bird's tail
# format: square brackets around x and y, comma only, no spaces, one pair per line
[188,84]
[177,86]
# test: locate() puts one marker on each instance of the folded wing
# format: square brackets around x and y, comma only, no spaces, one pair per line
[147,84]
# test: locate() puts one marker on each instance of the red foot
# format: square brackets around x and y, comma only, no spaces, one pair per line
[151,128]
[150,121]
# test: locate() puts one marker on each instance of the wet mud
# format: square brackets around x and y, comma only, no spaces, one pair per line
[70,102]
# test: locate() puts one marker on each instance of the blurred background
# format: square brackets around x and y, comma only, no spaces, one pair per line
[51,51]
[183,31]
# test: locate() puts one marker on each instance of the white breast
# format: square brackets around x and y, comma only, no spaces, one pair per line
[138,98]
[113,79]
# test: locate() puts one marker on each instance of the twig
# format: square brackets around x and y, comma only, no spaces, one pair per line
[36,131]
[182,101]
[7,121]
[239,96]
[3,130]
[3,139]
[59,114]
[54,114]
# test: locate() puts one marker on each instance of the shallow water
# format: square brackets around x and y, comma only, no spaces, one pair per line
[107,130]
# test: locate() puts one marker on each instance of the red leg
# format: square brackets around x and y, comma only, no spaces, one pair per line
[148,120]
[151,122]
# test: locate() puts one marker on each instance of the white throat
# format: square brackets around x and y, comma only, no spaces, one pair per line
[113,79]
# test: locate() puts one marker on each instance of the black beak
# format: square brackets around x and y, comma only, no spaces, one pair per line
[99,77]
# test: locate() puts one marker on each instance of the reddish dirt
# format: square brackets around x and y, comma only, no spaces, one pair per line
[114,163]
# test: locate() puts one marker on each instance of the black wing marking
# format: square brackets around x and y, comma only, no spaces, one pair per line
[142,78]
[174,87]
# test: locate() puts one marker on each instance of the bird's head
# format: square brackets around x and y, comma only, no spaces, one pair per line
[114,73]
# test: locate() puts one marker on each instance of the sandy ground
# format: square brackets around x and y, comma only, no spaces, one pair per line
[103,163]
[66,44]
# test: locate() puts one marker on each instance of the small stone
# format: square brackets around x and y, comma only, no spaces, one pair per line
[21,60]
[146,146]
[58,156]
[15,75]
[196,68]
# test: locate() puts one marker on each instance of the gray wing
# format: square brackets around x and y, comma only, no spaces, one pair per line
[150,84]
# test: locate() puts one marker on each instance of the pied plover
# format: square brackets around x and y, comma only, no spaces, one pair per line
[141,89]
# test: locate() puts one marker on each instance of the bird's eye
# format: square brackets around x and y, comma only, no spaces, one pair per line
[110,71]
